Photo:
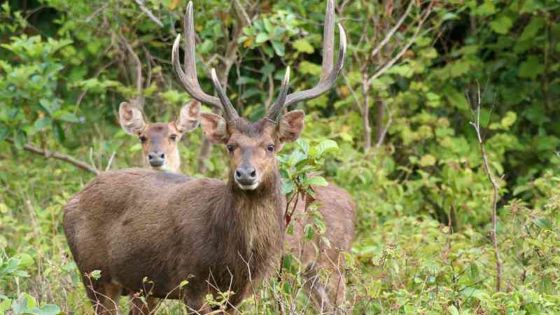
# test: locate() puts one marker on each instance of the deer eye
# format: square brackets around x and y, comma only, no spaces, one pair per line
[230,148]
[270,148]
[173,137]
[143,139]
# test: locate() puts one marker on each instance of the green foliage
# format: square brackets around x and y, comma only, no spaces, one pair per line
[423,198]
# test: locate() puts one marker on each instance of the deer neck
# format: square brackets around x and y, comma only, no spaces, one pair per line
[256,219]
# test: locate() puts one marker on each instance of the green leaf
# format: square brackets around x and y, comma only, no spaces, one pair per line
[303,46]
[278,48]
[501,25]
[306,67]
[95,275]
[49,106]
[25,260]
[453,310]
[427,160]
[486,9]
[5,305]
[532,29]
[3,132]
[24,304]
[315,181]
[261,38]
[42,123]
[69,117]
[325,146]
[58,132]
[309,232]
[287,187]
[47,309]
[531,68]
[509,119]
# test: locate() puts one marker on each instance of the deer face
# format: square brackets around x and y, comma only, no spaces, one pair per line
[252,147]
[159,140]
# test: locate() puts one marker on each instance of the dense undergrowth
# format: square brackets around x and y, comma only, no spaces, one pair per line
[423,199]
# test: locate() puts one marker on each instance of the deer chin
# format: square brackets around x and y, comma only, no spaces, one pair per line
[163,168]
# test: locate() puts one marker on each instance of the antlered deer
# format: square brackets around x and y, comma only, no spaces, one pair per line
[138,224]
[335,205]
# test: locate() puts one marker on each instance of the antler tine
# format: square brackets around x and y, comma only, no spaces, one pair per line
[328,40]
[229,110]
[276,108]
[190,79]
[328,72]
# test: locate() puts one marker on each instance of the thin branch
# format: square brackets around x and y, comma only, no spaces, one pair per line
[495,192]
[110,161]
[139,77]
[242,13]
[149,13]
[392,31]
[404,49]
[58,156]
[383,133]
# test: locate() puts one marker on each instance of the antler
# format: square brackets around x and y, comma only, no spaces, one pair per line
[190,79]
[229,110]
[328,73]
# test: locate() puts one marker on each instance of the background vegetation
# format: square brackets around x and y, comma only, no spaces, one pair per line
[400,114]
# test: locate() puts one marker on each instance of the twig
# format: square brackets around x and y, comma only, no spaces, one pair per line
[383,133]
[392,31]
[139,79]
[110,161]
[149,13]
[59,156]
[495,192]
[404,49]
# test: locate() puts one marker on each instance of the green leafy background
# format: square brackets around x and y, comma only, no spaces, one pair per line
[423,199]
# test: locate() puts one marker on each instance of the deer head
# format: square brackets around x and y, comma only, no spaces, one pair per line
[252,146]
[159,140]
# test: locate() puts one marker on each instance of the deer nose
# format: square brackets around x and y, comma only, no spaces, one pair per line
[246,175]
[156,159]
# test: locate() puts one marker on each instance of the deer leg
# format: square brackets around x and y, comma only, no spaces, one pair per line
[104,296]
[316,290]
[336,287]
[196,305]
[140,307]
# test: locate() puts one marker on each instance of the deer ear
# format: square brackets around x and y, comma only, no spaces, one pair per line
[188,117]
[214,127]
[131,119]
[290,126]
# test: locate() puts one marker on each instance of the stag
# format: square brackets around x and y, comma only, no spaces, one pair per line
[149,231]
[334,204]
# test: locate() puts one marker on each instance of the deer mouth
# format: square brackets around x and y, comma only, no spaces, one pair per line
[248,186]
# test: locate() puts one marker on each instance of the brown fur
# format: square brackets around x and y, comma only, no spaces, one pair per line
[338,211]
[139,224]
[160,138]
[319,257]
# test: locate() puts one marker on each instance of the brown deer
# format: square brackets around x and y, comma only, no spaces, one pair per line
[335,205]
[148,231]
[159,140]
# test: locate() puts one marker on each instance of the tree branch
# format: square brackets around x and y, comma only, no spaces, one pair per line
[149,13]
[139,78]
[495,192]
[58,156]
[392,31]
[405,48]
